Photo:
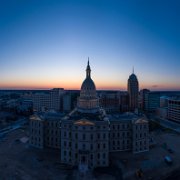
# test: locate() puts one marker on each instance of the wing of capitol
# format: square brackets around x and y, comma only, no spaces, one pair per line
[86,136]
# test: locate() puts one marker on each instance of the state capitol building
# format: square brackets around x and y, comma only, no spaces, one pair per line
[87,135]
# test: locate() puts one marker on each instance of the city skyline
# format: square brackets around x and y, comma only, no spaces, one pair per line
[47,44]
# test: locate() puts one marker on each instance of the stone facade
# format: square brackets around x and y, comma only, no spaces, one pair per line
[87,135]
[36,132]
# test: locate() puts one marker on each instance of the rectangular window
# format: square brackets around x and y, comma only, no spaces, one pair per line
[84,136]
[91,136]
[64,134]
[91,146]
[64,153]
[64,143]
[98,146]
[91,156]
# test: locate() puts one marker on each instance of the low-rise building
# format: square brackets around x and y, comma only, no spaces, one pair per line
[174,109]
[51,100]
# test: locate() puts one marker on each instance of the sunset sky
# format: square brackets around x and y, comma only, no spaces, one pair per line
[46,44]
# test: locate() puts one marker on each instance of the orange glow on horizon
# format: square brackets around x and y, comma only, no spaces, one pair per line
[76,85]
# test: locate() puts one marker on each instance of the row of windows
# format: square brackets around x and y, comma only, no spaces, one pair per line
[141,143]
[141,135]
[119,142]
[69,144]
[35,123]
[120,126]
[36,131]
[84,127]
[53,124]
[52,132]
[51,144]
[174,102]
[35,139]
[53,139]
[120,134]
[121,148]
[141,149]
[84,136]
[36,143]
[141,126]
[113,127]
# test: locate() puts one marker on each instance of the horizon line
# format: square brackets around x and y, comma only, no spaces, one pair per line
[99,89]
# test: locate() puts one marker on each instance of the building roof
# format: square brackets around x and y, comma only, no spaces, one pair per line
[133,77]
[128,116]
[141,121]
[84,122]
[76,115]
[35,117]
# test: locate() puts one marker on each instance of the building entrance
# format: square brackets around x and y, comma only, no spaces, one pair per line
[83,161]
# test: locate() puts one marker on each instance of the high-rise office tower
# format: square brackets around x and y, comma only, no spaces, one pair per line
[133,90]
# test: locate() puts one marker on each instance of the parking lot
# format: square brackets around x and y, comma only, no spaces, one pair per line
[152,163]
[19,161]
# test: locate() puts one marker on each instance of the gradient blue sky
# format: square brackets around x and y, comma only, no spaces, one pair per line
[45,44]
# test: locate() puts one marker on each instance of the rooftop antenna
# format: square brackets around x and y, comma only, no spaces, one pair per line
[88,61]
[133,70]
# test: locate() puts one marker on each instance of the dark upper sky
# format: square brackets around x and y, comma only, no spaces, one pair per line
[45,44]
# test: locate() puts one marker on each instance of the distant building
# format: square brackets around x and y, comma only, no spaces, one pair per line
[51,100]
[87,135]
[25,107]
[152,101]
[67,102]
[174,109]
[133,91]
[155,99]
[142,94]
[110,102]
[124,102]
[169,108]
[41,101]
[56,98]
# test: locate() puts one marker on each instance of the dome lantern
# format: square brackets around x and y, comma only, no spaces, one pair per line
[88,70]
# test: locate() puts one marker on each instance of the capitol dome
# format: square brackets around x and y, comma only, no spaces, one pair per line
[88,88]
[88,101]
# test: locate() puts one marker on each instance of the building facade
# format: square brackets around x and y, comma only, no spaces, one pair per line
[133,92]
[110,102]
[142,95]
[87,135]
[51,100]
[174,109]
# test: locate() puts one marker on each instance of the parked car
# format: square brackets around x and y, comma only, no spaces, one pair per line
[168,160]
